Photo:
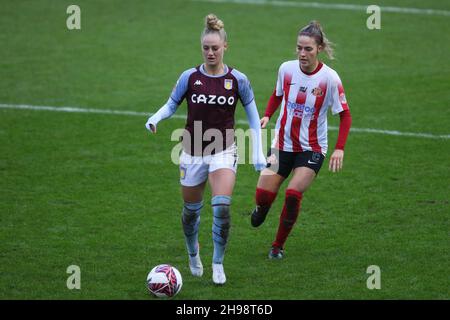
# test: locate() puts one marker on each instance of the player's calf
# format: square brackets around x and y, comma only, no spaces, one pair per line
[264,200]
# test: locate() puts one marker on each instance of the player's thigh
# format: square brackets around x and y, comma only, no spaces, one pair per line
[193,176]
[222,181]
[270,181]
[222,171]
[279,166]
[302,179]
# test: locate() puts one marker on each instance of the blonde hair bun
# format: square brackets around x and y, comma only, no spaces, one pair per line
[213,23]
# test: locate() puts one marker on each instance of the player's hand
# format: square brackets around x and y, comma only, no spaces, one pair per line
[264,121]
[260,162]
[336,161]
[151,125]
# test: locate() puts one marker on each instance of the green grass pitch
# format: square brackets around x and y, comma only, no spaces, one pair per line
[97,191]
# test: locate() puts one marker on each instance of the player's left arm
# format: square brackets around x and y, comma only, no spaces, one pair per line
[259,161]
[248,101]
[340,106]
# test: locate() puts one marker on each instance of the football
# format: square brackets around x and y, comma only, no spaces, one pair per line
[164,281]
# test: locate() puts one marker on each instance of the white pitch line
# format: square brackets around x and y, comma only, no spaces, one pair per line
[339,6]
[178,116]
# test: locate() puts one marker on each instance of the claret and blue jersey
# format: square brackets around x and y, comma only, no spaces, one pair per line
[211,100]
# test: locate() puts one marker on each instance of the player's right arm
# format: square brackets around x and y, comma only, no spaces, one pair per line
[166,111]
[171,106]
[272,106]
[274,100]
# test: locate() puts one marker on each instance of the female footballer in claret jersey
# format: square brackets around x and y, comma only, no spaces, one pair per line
[212,91]
[306,88]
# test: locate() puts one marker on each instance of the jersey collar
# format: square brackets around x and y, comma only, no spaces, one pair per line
[317,69]
[203,71]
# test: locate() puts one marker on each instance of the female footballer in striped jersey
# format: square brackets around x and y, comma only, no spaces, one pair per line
[306,89]
[212,91]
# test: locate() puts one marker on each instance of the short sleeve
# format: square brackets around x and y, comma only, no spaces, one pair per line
[279,88]
[181,87]
[339,101]
[245,89]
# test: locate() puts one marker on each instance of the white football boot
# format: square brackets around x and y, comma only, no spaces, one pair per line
[218,274]
[195,264]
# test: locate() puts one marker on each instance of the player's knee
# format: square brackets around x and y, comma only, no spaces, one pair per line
[221,218]
[221,206]
[191,212]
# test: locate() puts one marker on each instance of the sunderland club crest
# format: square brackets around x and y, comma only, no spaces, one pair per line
[317,92]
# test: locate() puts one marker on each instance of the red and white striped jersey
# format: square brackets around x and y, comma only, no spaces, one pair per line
[302,123]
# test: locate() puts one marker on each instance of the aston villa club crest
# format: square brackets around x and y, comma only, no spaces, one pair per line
[317,92]
[182,173]
[228,84]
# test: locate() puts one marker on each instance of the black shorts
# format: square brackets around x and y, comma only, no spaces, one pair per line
[283,162]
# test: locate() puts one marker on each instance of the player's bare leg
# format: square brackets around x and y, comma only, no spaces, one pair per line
[269,180]
[193,194]
[302,179]
[193,203]
[222,184]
